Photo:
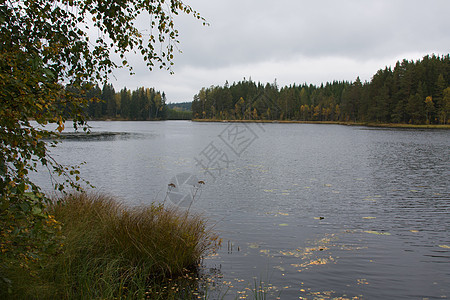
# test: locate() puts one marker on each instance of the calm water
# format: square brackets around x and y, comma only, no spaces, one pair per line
[312,211]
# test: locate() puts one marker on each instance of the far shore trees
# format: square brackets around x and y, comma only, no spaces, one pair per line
[414,92]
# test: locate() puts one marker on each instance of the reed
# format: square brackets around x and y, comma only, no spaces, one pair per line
[112,251]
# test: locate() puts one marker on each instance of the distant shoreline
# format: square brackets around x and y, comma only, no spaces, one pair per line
[381,125]
[366,124]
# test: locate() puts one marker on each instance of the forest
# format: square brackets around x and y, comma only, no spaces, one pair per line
[140,104]
[179,111]
[414,92]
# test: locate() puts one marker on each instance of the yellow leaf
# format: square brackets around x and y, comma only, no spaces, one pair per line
[253,245]
[376,232]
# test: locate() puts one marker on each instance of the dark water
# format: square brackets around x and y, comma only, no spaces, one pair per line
[304,211]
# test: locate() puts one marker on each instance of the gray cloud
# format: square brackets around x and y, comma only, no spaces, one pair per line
[296,41]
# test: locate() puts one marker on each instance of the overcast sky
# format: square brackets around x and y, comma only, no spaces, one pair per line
[294,41]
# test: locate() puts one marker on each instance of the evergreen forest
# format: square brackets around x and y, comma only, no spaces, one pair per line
[140,104]
[414,92]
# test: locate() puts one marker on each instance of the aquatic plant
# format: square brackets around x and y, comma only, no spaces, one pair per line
[112,251]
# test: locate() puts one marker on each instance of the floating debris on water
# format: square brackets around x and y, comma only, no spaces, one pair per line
[377,232]
[362,281]
[280,268]
[253,245]
[369,199]
[314,262]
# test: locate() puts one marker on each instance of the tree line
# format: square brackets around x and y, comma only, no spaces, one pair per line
[140,104]
[416,92]
[179,111]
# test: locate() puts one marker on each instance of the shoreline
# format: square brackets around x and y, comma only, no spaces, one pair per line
[365,124]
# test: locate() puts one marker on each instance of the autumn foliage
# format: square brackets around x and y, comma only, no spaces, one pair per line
[45,47]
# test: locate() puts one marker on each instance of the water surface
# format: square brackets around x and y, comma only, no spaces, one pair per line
[312,211]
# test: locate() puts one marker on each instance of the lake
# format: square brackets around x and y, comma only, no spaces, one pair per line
[305,211]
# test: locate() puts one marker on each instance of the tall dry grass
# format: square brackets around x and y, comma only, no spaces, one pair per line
[113,251]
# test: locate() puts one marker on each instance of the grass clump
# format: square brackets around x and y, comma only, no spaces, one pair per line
[112,251]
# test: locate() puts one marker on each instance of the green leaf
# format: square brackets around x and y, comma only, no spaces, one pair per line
[36,211]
